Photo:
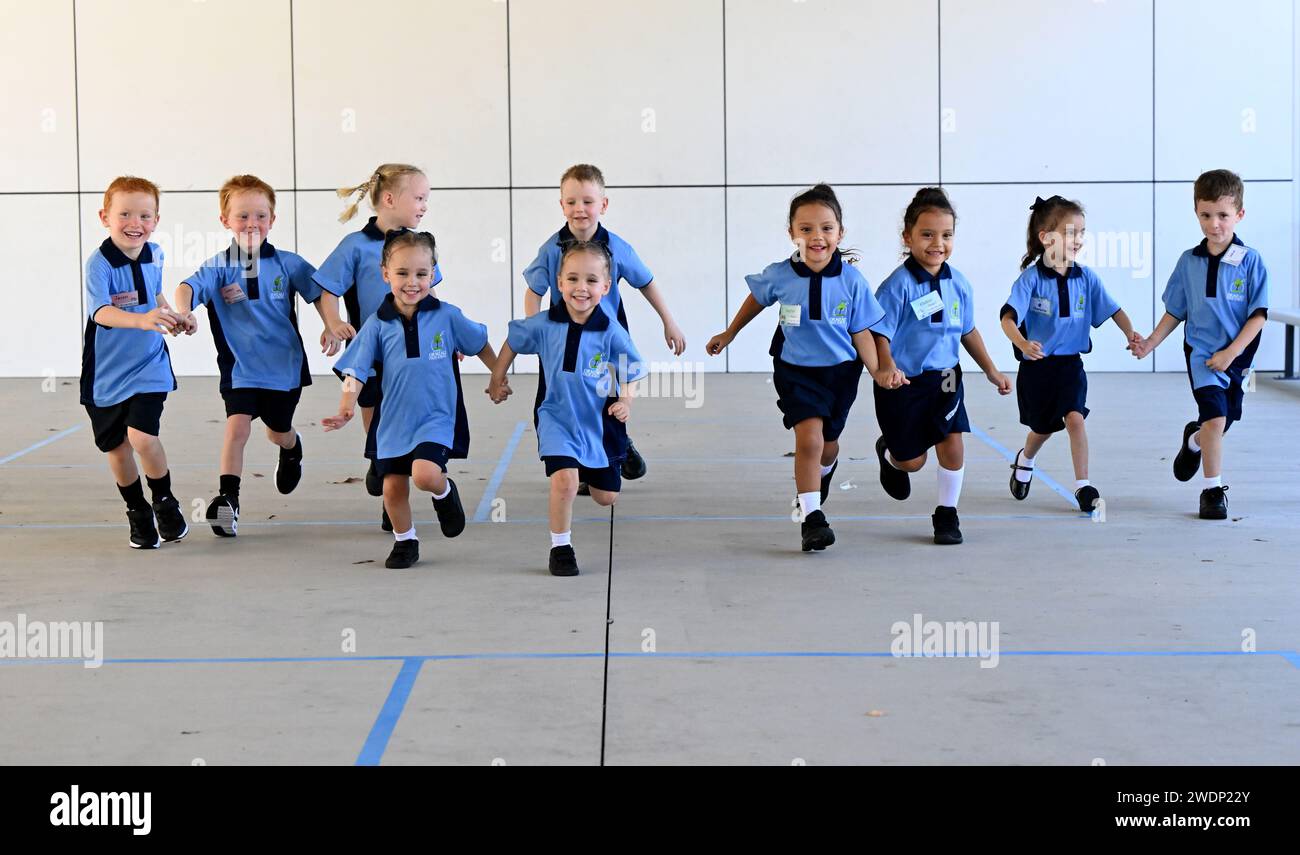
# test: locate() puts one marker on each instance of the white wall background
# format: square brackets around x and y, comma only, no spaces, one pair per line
[705,115]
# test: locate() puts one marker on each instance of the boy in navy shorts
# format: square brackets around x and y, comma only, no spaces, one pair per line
[1220,289]
[249,291]
[126,371]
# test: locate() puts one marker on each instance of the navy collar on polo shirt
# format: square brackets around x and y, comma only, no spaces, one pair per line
[566,236]
[1212,271]
[1202,249]
[835,267]
[1062,284]
[117,259]
[598,321]
[371,229]
[234,252]
[1071,272]
[924,277]
[387,311]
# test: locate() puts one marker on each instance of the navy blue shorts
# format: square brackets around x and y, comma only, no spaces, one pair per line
[431,451]
[1050,388]
[825,392]
[373,391]
[273,407]
[142,411]
[609,478]
[1213,402]
[916,417]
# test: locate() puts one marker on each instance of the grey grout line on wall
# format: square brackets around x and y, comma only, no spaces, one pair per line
[1154,284]
[76,130]
[293,130]
[726,222]
[510,181]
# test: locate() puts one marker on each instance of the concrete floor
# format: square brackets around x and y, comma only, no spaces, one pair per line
[1119,640]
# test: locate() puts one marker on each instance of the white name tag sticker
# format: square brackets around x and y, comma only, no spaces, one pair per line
[1041,305]
[125,300]
[925,306]
[233,294]
[790,315]
[1234,255]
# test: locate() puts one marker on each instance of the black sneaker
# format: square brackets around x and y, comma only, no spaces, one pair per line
[143,533]
[223,516]
[1186,461]
[1086,496]
[451,514]
[374,481]
[1020,489]
[288,470]
[563,561]
[947,527]
[1214,505]
[816,532]
[826,481]
[633,463]
[584,489]
[895,481]
[404,554]
[171,521]
[384,522]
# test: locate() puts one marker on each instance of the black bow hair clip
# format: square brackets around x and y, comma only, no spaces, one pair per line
[1039,201]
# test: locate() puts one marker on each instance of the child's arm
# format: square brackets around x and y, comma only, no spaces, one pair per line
[489,356]
[974,344]
[1221,360]
[1029,349]
[161,318]
[672,333]
[1168,323]
[1131,335]
[532,303]
[186,324]
[347,405]
[498,389]
[328,306]
[748,310]
[887,373]
[329,342]
[864,343]
[623,407]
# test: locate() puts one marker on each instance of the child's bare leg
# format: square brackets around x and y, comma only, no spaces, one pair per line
[286,440]
[808,448]
[238,428]
[830,452]
[429,477]
[1210,438]
[1078,444]
[397,501]
[604,498]
[367,413]
[1034,443]
[564,488]
[951,452]
[153,460]
[908,465]
[121,462]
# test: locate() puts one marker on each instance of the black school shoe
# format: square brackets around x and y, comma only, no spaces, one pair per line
[564,562]
[1020,489]
[451,514]
[404,554]
[171,521]
[374,481]
[826,481]
[816,532]
[1214,505]
[947,527]
[895,481]
[633,463]
[288,470]
[1186,461]
[143,533]
[384,522]
[223,516]
[1086,496]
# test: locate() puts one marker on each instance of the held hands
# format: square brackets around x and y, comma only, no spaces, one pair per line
[498,389]
[890,378]
[674,338]
[186,323]
[1140,346]
[1002,381]
[161,319]
[343,331]
[718,342]
[1032,350]
[336,422]
[329,343]
[620,411]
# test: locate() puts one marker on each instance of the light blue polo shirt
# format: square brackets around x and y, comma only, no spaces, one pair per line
[1059,312]
[576,359]
[354,272]
[423,401]
[1215,296]
[832,305]
[254,317]
[925,316]
[543,274]
[117,363]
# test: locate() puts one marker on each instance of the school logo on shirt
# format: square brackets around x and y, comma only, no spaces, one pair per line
[840,314]
[595,366]
[1237,290]
[439,349]
[277,287]
[955,311]
[1078,306]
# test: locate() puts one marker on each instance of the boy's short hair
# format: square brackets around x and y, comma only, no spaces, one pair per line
[583,172]
[130,184]
[241,183]
[1214,185]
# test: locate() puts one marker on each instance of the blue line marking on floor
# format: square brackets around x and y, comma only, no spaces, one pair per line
[498,474]
[377,741]
[1038,470]
[49,439]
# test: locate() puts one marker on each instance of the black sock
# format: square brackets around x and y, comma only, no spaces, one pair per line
[230,487]
[133,495]
[294,453]
[161,488]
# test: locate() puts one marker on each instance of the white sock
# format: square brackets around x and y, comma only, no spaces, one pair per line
[826,470]
[1021,476]
[1216,481]
[405,535]
[1080,483]
[1193,444]
[950,486]
[810,502]
[446,491]
[560,538]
